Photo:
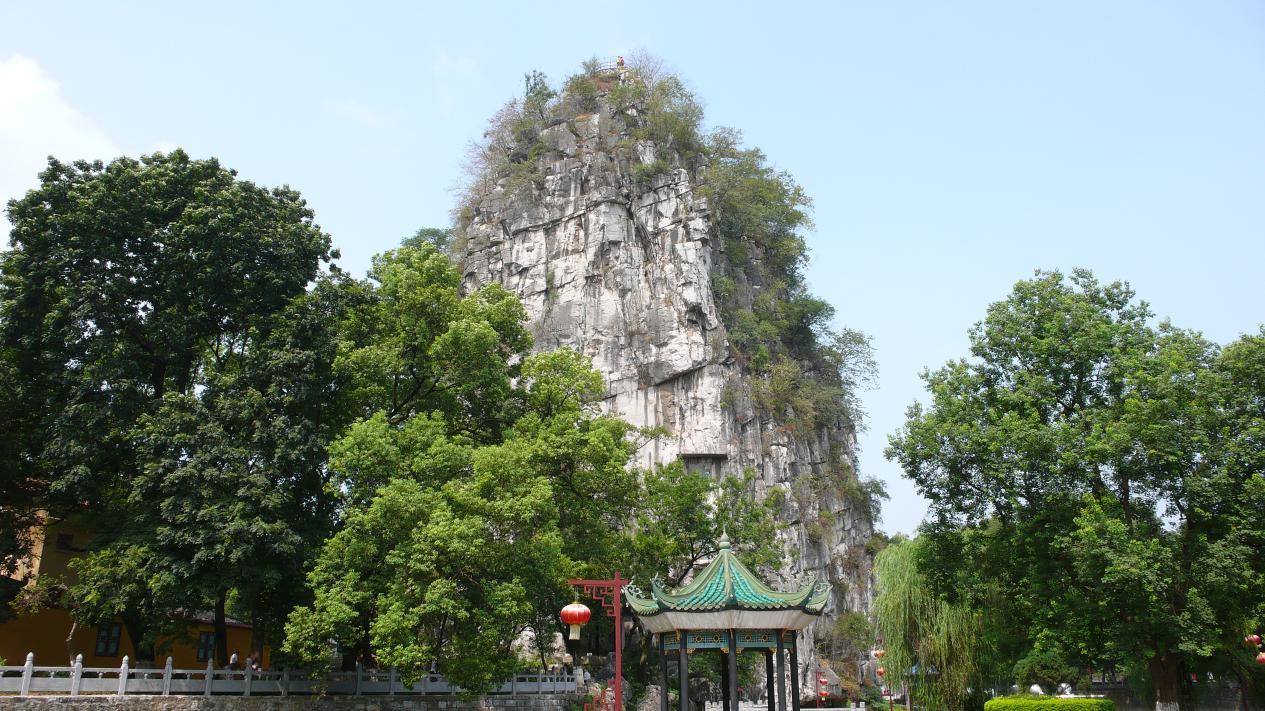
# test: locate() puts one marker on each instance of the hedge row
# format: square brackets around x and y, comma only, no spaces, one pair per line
[1047,703]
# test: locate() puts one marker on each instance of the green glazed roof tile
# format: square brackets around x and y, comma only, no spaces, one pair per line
[727,584]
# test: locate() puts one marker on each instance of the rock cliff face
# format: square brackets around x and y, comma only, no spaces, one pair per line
[620,270]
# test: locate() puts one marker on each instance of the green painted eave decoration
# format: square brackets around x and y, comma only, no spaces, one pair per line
[727,584]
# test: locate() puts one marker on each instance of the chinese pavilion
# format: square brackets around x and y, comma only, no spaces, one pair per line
[727,608]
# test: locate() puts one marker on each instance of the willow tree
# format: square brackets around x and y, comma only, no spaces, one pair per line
[931,643]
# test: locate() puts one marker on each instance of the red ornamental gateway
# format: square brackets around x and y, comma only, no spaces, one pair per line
[610,594]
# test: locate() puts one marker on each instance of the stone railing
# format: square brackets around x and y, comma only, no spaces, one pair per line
[123,680]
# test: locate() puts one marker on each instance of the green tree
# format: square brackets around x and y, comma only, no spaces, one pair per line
[682,515]
[233,493]
[435,574]
[932,644]
[844,644]
[21,493]
[1100,469]
[477,480]
[439,237]
[123,286]
[412,345]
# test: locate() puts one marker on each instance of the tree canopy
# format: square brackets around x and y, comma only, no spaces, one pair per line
[1099,477]
[138,307]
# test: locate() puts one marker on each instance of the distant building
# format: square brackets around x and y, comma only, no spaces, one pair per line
[44,632]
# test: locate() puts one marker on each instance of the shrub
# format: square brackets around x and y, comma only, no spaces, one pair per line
[1046,664]
[627,95]
[723,286]
[582,91]
[672,118]
[643,173]
[1047,703]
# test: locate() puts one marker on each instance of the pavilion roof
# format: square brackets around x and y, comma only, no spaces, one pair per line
[726,584]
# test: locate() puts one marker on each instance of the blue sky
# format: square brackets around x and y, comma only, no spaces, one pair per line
[951,148]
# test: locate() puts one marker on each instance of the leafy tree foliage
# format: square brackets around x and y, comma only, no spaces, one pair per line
[1099,476]
[478,480]
[440,237]
[131,293]
[843,644]
[682,515]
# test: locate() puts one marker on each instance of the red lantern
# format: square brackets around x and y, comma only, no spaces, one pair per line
[823,680]
[878,653]
[1253,639]
[575,615]
[1260,658]
[880,671]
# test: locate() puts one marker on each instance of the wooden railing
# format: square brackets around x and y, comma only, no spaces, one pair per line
[122,680]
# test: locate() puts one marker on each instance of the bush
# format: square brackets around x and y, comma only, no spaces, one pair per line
[582,93]
[1047,703]
[643,173]
[1047,664]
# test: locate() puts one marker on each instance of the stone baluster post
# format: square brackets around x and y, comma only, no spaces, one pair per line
[28,670]
[76,675]
[123,674]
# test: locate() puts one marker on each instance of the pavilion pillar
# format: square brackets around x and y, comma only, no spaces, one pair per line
[769,692]
[684,659]
[724,677]
[781,673]
[795,672]
[733,670]
[663,674]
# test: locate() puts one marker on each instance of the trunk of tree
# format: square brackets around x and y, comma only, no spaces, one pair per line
[1246,689]
[142,650]
[221,630]
[360,651]
[158,378]
[258,633]
[1165,679]
[70,636]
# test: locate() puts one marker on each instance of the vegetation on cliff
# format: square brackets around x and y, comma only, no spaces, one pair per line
[807,372]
